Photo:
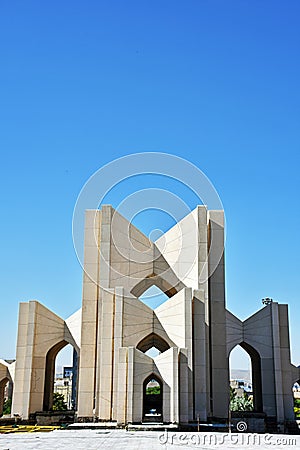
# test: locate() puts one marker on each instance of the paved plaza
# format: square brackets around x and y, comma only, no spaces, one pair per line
[147,440]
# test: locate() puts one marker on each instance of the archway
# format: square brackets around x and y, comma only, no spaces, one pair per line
[61,383]
[3,394]
[296,399]
[152,399]
[247,386]
[153,340]
[153,280]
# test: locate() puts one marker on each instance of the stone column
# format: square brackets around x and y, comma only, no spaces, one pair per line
[89,325]
[217,323]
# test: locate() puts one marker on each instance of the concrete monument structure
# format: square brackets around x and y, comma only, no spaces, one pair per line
[193,331]
[6,381]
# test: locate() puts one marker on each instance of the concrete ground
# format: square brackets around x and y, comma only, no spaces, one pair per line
[143,440]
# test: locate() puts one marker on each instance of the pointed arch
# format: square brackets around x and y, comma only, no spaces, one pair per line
[151,280]
[4,381]
[256,374]
[152,402]
[50,372]
[153,340]
[152,376]
[3,384]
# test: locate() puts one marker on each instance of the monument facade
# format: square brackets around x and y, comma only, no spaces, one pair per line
[193,331]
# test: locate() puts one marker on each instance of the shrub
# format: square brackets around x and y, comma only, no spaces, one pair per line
[297,407]
[244,403]
[153,390]
[7,406]
[59,403]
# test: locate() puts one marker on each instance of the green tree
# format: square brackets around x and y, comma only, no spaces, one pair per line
[59,403]
[153,390]
[7,406]
[244,403]
[297,407]
[232,395]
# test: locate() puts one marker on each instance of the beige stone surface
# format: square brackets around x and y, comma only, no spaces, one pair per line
[114,329]
[40,333]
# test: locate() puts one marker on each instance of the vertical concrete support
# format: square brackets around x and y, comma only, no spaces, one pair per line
[117,343]
[143,367]
[278,381]
[285,357]
[89,325]
[183,386]
[168,368]
[203,243]
[104,374]
[217,323]
[200,360]
[188,321]
[25,339]
[121,406]
[203,285]
[130,384]
[176,317]
[175,387]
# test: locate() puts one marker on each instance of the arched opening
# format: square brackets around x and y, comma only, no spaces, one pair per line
[152,399]
[60,389]
[5,396]
[153,297]
[152,352]
[153,340]
[296,399]
[153,280]
[245,379]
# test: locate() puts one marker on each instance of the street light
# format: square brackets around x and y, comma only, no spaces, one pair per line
[267,301]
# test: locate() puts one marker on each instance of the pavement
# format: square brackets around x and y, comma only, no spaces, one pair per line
[144,440]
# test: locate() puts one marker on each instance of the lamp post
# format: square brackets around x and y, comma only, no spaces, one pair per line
[267,301]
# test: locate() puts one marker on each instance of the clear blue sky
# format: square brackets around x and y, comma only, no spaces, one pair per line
[82,83]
